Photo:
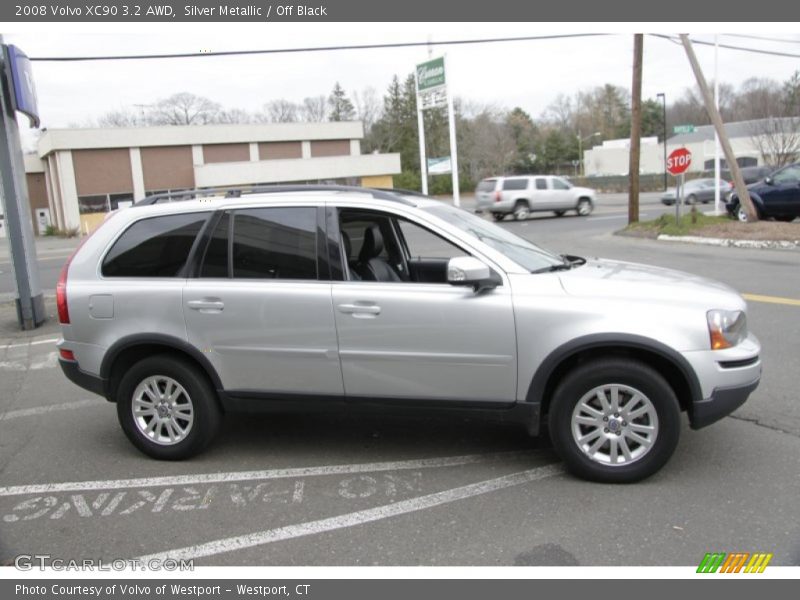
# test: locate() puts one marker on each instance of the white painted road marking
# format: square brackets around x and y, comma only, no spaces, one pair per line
[49,361]
[182,480]
[33,343]
[41,410]
[356,518]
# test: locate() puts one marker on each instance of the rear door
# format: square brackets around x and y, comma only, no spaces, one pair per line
[541,195]
[260,306]
[563,198]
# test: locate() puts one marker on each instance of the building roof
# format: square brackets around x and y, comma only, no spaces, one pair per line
[187,135]
[736,129]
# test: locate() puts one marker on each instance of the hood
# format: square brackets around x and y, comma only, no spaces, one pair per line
[617,279]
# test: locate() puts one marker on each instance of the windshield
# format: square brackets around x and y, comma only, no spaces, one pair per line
[521,251]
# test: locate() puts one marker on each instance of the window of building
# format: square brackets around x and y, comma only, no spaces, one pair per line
[155,247]
[100,203]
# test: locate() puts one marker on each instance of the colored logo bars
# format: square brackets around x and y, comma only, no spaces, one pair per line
[734,562]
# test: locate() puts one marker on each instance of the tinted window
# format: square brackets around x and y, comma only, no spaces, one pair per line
[275,243]
[541,183]
[789,174]
[215,262]
[156,247]
[560,184]
[515,184]
[487,185]
[422,243]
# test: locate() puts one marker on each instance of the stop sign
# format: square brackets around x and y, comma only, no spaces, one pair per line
[678,161]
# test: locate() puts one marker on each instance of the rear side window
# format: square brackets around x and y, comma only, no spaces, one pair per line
[515,184]
[541,183]
[487,185]
[268,243]
[155,247]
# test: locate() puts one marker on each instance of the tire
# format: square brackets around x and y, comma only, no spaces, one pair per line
[584,207]
[691,199]
[175,436]
[571,417]
[740,213]
[498,216]
[521,210]
[559,213]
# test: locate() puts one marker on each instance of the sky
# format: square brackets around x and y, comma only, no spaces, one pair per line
[529,74]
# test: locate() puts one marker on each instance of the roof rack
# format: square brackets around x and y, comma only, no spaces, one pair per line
[179,195]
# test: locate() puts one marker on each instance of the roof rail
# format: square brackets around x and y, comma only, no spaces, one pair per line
[179,195]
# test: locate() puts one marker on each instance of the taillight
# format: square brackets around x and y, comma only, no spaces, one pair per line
[61,293]
[61,286]
[66,354]
[497,196]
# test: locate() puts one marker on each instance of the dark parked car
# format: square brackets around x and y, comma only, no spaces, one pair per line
[697,190]
[749,174]
[777,196]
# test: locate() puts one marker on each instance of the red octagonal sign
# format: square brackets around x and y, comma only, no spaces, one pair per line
[678,161]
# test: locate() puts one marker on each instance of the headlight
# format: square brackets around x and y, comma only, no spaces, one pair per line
[726,328]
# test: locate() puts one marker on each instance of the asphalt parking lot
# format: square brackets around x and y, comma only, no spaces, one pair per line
[409,490]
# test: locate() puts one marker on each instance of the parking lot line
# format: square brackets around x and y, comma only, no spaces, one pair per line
[771,299]
[41,410]
[360,517]
[26,344]
[200,478]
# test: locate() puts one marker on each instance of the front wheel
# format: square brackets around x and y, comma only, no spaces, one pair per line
[498,216]
[691,199]
[584,207]
[559,213]
[167,408]
[740,213]
[614,421]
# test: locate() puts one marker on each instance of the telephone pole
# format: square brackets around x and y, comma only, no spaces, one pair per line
[636,129]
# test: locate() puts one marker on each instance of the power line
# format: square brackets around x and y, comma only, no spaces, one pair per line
[727,46]
[762,38]
[314,49]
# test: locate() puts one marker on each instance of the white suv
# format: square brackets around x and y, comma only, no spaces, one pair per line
[181,311]
[520,195]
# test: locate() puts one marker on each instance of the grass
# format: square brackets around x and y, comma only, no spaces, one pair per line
[689,223]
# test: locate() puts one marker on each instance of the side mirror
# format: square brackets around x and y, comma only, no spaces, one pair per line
[769,180]
[467,270]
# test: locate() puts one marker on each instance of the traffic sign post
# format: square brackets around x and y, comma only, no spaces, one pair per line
[677,163]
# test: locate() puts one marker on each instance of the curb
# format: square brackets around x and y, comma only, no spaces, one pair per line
[731,243]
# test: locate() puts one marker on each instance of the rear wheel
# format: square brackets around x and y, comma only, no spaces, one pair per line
[614,421]
[559,213]
[498,216]
[521,210]
[691,199]
[167,408]
[584,207]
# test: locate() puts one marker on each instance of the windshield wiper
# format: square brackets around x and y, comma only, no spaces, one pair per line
[551,268]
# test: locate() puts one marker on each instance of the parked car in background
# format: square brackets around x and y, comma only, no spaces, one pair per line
[520,195]
[749,174]
[697,190]
[777,196]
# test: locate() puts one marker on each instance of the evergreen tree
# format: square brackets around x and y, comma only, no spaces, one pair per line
[340,107]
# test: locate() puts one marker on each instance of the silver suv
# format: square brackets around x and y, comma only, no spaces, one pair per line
[521,195]
[181,311]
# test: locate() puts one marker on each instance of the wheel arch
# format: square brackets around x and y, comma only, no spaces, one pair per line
[675,369]
[133,348]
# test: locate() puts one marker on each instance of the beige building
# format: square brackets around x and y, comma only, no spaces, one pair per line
[81,174]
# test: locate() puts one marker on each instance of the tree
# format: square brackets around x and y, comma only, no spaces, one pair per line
[523,132]
[652,119]
[314,109]
[791,94]
[339,105]
[185,109]
[280,111]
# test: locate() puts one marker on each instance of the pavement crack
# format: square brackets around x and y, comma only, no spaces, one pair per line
[756,421]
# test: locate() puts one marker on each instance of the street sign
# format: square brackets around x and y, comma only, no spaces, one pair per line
[683,129]
[678,161]
[24,96]
[430,74]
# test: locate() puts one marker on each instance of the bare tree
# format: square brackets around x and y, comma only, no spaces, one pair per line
[185,109]
[777,139]
[234,116]
[280,111]
[122,118]
[315,109]
[368,107]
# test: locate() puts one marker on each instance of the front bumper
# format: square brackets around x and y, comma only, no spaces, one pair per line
[723,401]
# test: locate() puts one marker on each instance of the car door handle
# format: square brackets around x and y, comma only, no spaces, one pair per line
[360,309]
[206,305]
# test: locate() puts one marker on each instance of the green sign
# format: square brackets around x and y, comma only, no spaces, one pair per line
[430,74]
[683,129]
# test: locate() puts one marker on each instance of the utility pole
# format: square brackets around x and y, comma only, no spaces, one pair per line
[636,128]
[14,192]
[727,149]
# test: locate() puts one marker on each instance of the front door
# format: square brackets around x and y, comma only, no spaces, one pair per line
[408,333]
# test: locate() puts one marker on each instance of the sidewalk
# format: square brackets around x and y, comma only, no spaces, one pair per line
[45,246]
[10,332]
